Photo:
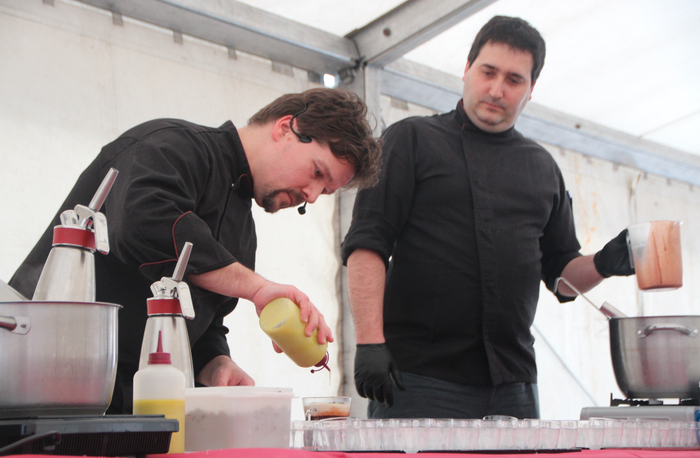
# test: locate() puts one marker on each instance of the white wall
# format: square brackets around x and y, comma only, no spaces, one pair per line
[71,81]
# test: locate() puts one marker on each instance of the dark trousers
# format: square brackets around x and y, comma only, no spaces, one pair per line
[426,397]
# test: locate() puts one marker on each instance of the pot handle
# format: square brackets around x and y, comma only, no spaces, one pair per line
[16,324]
[666,327]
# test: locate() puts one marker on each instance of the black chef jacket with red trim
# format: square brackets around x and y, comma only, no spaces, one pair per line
[178,182]
[468,224]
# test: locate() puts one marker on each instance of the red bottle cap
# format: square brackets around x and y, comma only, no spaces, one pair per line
[74,236]
[322,364]
[163,306]
[159,356]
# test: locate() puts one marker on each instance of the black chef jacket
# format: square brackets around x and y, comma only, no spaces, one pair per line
[178,182]
[468,223]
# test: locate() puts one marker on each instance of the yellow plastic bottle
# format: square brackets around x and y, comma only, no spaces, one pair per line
[281,320]
[159,389]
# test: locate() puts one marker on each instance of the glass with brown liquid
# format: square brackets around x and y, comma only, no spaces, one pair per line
[326,407]
[656,251]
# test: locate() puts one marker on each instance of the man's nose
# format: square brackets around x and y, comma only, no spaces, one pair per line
[312,191]
[496,88]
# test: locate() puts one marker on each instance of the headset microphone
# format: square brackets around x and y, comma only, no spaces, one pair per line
[302,209]
[302,138]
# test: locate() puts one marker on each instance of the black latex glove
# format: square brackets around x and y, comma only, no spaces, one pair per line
[614,258]
[376,372]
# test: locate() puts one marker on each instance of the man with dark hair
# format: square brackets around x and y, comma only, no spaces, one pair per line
[181,182]
[348,134]
[445,255]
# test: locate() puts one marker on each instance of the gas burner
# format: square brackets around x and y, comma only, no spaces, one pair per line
[634,402]
[652,402]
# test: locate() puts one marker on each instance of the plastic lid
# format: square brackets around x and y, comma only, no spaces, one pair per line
[219,392]
[322,364]
[159,356]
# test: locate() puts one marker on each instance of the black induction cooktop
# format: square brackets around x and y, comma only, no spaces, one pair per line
[107,435]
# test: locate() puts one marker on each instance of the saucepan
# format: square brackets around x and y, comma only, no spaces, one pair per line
[57,358]
[654,357]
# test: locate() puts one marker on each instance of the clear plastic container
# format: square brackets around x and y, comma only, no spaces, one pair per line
[613,433]
[465,434]
[629,433]
[675,431]
[439,433]
[301,436]
[333,435]
[689,434]
[596,434]
[368,435]
[568,433]
[528,434]
[583,432]
[659,433]
[387,434]
[237,417]
[643,433]
[549,435]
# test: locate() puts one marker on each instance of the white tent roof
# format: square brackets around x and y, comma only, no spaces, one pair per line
[618,83]
[630,65]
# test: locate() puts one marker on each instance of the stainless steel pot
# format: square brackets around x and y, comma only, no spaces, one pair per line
[656,356]
[57,358]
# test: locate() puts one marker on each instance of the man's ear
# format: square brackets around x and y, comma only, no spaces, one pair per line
[532,88]
[464,77]
[280,127]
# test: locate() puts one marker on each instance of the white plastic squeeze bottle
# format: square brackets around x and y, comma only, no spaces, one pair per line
[159,389]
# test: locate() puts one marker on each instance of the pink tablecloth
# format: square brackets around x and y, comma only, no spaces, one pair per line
[283,453]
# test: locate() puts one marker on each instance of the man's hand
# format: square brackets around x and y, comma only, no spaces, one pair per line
[236,280]
[222,371]
[309,313]
[614,258]
[376,372]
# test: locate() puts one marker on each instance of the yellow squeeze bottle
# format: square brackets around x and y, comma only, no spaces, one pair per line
[281,320]
[159,389]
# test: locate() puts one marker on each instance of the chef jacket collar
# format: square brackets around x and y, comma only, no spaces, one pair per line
[244,186]
[467,123]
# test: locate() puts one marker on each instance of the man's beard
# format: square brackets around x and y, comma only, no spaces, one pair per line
[270,203]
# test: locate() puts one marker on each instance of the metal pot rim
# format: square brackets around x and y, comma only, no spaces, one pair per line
[60,303]
[660,317]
